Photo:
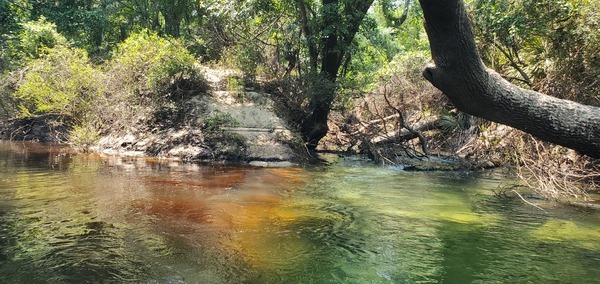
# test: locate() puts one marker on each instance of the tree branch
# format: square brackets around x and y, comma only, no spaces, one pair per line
[405,125]
[459,72]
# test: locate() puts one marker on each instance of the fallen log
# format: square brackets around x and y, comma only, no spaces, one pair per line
[404,134]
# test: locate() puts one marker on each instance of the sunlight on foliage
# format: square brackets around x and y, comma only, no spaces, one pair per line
[84,135]
[144,74]
[61,82]
[150,61]
[36,39]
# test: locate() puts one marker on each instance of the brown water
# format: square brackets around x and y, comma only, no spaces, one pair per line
[67,218]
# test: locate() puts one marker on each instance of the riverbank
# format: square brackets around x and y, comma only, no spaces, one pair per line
[225,124]
[232,122]
[266,144]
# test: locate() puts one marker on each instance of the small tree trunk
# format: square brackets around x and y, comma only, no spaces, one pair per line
[459,72]
[314,127]
[335,42]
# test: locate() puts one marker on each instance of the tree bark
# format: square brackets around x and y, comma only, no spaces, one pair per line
[459,72]
[340,23]
[404,134]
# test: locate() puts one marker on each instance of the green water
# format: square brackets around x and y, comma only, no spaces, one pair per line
[67,218]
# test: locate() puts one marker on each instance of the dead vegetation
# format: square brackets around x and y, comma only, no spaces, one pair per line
[554,171]
[405,118]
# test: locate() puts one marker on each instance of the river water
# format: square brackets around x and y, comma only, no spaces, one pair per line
[73,218]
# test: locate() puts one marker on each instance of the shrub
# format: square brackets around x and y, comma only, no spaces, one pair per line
[573,69]
[130,89]
[62,81]
[8,85]
[217,120]
[146,63]
[36,39]
[84,134]
[146,74]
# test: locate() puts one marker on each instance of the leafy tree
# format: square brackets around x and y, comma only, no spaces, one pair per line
[316,38]
[328,34]
[174,12]
[544,45]
[12,13]
[7,25]
[35,39]
[383,39]
[81,21]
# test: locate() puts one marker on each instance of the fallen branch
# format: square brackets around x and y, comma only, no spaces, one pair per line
[524,200]
[404,134]
[405,125]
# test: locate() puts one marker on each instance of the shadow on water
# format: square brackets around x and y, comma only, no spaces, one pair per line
[31,156]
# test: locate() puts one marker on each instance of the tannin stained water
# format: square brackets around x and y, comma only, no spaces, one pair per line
[68,217]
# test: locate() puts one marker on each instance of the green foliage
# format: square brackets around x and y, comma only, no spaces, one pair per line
[410,66]
[146,72]
[448,123]
[217,120]
[12,14]
[552,46]
[84,134]
[248,57]
[148,63]
[6,18]
[406,88]
[573,63]
[62,81]
[35,39]
[227,145]
[7,102]
[314,87]
[380,46]
[235,84]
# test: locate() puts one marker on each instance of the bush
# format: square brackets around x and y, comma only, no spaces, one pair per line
[63,81]
[146,63]
[573,69]
[550,47]
[130,89]
[84,134]
[217,120]
[146,74]
[36,39]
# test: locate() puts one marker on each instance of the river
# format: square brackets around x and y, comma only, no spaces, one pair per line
[83,218]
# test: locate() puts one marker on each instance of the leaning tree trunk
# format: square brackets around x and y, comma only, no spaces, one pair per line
[459,72]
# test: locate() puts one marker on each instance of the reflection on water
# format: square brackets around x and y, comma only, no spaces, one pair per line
[85,218]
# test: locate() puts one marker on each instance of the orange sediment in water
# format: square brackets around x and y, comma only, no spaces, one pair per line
[233,203]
